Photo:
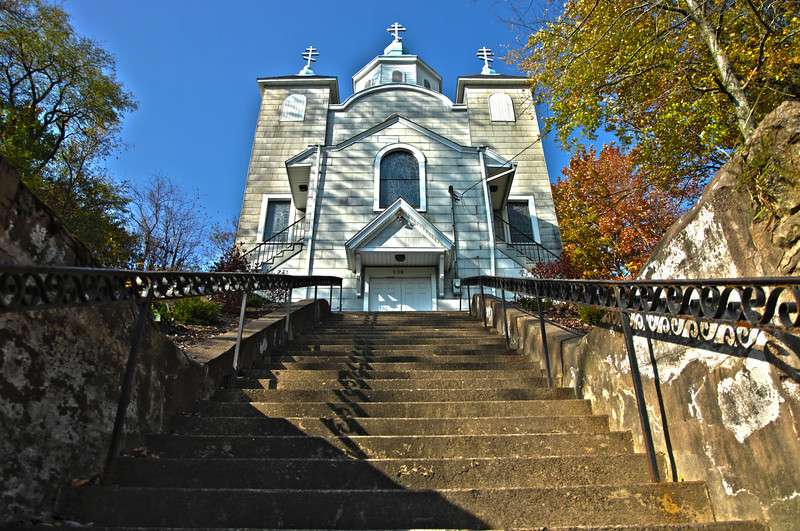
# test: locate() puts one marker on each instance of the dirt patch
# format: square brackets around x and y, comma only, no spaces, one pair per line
[189,335]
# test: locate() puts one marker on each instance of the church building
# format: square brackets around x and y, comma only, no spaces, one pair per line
[398,189]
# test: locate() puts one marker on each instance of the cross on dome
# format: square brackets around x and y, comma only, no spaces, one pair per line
[487,56]
[395,29]
[309,54]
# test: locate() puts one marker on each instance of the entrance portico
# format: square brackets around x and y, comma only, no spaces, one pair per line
[399,260]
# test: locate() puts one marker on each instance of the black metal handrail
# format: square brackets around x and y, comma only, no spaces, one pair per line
[266,251]
[736,316]
[528,247]
[28,288]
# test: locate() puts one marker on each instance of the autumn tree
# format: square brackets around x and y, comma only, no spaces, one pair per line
[60,111]
[686,81]
[610,213]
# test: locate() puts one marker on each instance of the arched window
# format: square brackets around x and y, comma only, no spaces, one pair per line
[400,173]
[293,108]
[501,108]
[397,76]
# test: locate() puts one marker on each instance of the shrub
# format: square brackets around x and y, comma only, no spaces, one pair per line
[162,313]
[561,268]
[590,316]
[231,261]
[196,310]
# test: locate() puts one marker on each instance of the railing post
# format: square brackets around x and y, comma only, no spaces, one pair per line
[340,298]
[125,390]
[288,308]
[239,332]
[664,424]
[469,301]
[543,333]
[641,405]
[483,305]
[505,317]
[316,308]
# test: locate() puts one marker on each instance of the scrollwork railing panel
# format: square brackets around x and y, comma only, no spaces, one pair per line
[734,316]
[25,288]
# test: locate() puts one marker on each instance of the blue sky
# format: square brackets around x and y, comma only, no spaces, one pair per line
[192,65]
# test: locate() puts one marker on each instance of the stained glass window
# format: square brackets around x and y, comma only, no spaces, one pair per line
[278,211]
[399,178]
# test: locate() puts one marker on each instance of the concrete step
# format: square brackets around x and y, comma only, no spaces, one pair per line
[401,330]
[421,338]
[403,336]
[381,473]
[455,349]
[392,395]
[383,384]
[708,526]
[391,447]
[369,375]
[323,426]
[639,504]
[514,408]
[401,366]
[385,357]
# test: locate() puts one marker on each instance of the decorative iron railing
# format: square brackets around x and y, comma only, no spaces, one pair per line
[522,243]
[276,246]
[736,316]
[28,288]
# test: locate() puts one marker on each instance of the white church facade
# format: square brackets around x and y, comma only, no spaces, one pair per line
[397,189]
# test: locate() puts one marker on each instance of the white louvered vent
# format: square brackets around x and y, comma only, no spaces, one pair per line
[293,108]
[501,108]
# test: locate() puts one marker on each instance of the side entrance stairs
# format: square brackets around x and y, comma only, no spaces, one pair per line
[392,421]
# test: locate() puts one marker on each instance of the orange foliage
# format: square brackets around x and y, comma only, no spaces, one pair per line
[611,216]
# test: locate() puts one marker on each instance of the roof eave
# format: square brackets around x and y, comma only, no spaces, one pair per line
[295,81]
[489,81]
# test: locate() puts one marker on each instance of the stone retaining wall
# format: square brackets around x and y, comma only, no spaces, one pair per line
[733,422]
[60,370]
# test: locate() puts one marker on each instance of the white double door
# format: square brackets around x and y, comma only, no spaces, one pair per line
[401,294]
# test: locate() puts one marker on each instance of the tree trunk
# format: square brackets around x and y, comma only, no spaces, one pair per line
[730,82]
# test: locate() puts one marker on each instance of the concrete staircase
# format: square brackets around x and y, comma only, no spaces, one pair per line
[415,420]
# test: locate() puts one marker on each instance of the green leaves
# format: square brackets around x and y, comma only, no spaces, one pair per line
[642,70]
[60,111]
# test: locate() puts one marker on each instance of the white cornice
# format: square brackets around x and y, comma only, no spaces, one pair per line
[302,81]
[393,86]
[488,81]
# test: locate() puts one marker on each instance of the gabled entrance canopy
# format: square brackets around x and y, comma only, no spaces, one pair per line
[399,236]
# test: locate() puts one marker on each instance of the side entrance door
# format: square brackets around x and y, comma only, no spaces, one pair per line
[400,294]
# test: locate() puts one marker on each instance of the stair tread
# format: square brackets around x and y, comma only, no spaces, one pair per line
[588,505]
[392,420]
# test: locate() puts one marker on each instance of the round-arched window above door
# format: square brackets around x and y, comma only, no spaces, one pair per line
[400,173]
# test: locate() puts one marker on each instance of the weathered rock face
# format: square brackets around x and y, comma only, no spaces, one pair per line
[60,371]
[734,422]
[748,221]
